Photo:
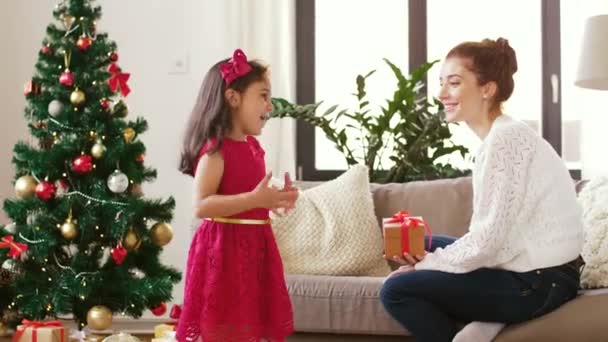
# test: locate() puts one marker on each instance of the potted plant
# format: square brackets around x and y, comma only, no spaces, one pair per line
[409,129]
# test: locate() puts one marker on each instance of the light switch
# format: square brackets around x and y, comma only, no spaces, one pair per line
[179,64]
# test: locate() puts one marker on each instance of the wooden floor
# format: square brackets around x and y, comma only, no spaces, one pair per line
[307,337]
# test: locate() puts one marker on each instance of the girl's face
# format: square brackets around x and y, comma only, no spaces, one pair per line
[462,97]
[250,108]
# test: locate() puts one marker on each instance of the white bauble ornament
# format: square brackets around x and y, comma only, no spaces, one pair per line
[55,108]
[11,228]
[118,182]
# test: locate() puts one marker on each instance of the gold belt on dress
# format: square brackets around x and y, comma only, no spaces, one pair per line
[237,220]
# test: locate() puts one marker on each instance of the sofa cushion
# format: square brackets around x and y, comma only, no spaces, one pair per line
[340,305]
[582,319]
[333,230]
[445,204]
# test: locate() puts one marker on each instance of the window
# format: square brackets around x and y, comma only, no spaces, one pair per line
[347,46]
[323,33]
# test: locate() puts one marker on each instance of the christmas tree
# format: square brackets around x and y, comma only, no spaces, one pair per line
[83,240]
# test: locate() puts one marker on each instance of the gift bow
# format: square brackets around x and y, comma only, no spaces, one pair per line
[35,325]
[236,67]
[15,248]
[408,222]
[118,80]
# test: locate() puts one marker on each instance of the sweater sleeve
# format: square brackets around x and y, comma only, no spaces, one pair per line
[500,196]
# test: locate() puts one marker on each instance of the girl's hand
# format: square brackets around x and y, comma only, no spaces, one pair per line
[270,197]
[289,187]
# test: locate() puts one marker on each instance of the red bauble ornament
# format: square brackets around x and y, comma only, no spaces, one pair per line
[118,254]
[84,43]
[83,164]
[114,57]
[67,78]
[159,310]
[46,50]
[45,191]
[176,311]
[140,158]
[104,103]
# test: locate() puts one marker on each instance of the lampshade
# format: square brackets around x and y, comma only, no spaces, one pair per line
[593,64]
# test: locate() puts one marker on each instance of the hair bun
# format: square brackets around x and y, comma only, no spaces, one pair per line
[508,53]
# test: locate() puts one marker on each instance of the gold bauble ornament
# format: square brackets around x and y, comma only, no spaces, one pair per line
[25,187]
[98,150]
[99,317]
[129,134]
[120,109]
[77,97]
[3,329]
[161,233]
[69,230]
[131,240]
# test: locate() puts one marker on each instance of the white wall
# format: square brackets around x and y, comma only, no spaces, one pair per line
[150,35]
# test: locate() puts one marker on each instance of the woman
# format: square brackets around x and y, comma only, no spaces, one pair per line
[517,260]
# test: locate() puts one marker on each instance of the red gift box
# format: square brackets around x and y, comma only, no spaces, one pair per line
[404,234]
[37,331]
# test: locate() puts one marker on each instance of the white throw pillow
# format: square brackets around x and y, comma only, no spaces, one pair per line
[333,230]
[594,201]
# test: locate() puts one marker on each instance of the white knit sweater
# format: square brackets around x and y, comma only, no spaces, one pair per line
[525,211]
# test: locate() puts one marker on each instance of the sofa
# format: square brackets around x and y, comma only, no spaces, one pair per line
[342,307]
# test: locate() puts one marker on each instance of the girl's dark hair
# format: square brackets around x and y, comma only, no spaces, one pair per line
[490,60]
[210,118]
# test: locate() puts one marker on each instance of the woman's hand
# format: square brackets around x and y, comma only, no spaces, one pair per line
[408,259]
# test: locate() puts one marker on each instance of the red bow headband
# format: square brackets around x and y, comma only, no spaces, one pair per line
[236,67]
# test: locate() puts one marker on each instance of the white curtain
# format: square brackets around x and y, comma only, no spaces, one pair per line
[265,30]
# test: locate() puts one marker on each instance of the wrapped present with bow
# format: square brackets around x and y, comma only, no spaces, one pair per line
[404,234]
[165,330]
[40,331]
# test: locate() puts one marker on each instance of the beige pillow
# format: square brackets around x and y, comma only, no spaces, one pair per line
[593,199]
[333,230]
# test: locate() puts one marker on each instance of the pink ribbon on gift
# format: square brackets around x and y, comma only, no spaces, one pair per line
[35,325]
[408,222]
[236,67]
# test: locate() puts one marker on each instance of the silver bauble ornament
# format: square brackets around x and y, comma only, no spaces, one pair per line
[118,182]
[55,108]
[9,265]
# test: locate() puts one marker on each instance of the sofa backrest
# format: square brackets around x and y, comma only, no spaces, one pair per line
[445,204]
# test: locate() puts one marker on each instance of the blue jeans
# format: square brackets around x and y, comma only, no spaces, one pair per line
[431,304]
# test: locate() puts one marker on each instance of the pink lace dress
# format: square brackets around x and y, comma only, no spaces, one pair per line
[235,287]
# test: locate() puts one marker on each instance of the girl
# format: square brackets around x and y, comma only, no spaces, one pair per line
[235,288]
[517,261]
